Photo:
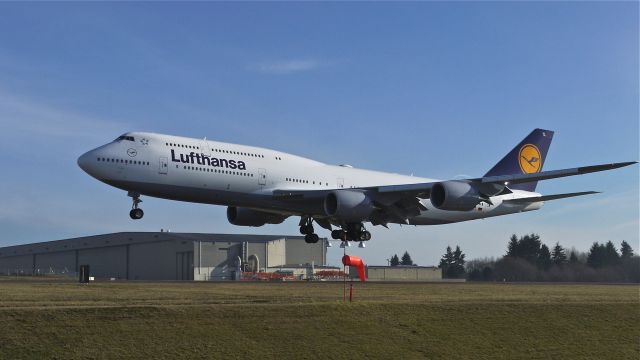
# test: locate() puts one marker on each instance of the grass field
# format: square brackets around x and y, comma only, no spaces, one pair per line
[64,320]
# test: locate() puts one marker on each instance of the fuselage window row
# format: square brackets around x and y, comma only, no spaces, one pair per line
[182,146]
[238,153]
[132,162]
[304,181]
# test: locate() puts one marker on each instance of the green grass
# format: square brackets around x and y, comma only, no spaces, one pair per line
[55,319]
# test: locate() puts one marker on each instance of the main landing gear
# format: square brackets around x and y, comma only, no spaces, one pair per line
[135,213]
[352,232]
[306,229]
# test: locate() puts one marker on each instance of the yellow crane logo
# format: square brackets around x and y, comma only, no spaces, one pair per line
[530,159]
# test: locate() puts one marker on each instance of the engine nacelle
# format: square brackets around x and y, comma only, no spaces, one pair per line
[455,196]
[248,217]
[348,205]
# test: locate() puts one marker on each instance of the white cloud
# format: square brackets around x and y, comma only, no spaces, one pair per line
[285,67]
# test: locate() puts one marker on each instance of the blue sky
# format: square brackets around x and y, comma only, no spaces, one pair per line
[434,89]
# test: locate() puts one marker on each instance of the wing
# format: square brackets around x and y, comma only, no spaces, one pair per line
[397,203]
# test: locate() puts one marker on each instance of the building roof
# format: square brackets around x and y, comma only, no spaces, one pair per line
[123,238]
[402,267]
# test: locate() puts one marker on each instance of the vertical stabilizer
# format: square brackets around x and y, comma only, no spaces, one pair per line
[526,158]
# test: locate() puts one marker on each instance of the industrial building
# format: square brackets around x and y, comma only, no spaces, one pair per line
[165,256]
[401,273]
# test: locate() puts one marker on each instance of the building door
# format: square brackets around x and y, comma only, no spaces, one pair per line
[163,166]
[262,176]
[184,265]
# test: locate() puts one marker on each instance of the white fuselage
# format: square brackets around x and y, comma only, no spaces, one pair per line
[211,172]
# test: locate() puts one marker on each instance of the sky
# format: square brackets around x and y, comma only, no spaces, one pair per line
[434,89]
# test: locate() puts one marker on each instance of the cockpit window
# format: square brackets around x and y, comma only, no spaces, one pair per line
[124,137]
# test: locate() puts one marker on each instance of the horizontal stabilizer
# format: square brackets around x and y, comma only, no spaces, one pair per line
[548,197]
[545,175]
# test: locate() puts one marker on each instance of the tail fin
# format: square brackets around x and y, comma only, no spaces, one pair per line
[526,158]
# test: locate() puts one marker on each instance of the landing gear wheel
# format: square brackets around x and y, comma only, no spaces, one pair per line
[365,235]
[311,238]
[354,232]
[136,214]
[306,229]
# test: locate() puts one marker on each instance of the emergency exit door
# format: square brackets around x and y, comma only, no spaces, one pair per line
[262,176]
[163,165]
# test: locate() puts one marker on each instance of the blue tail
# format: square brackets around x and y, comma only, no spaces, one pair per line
[526,158]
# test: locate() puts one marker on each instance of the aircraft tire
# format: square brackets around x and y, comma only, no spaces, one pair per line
[136,214]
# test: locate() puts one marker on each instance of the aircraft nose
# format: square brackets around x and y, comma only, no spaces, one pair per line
[84,161]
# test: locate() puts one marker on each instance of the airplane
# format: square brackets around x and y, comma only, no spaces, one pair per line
[262,186]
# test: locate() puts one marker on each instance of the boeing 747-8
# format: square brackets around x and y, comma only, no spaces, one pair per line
[261,186]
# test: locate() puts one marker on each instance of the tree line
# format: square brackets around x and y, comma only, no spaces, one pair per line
[405,260]
[528,259]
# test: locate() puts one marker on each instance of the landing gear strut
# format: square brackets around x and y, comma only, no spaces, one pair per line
[352,232]
[306,228]
[135,213]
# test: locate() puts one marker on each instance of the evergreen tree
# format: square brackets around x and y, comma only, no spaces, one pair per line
[544,258]
[395,261]
[573,258]
[527,247]
[512,248]
[457,268]
[611,254]
[452,263]
[625,250]
[558,255]
[530,247]
[406,259]
[446,261]
[596,256]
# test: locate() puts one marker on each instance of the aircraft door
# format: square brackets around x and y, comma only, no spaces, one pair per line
[163,166]
[262,176]
[205,148]
[340,183]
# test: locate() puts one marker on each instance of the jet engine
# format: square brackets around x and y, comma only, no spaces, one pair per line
[248,217]
[455,196]
[348,205]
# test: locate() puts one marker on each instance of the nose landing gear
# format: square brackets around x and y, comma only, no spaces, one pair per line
[135,213]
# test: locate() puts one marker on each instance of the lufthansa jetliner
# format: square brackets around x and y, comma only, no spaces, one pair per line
[262,186]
